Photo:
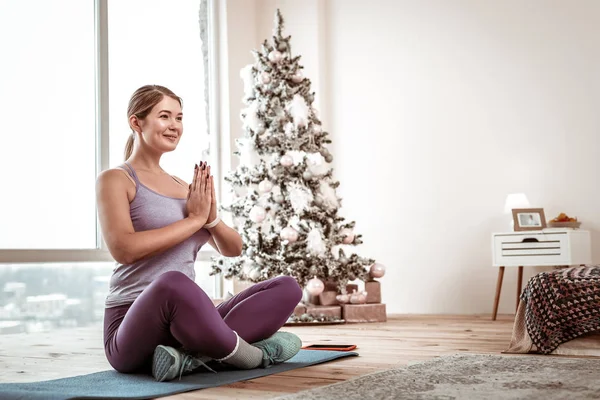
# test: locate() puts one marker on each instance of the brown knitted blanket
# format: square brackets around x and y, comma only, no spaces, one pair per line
[562,305]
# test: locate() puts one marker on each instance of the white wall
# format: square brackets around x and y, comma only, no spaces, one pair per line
[437,110]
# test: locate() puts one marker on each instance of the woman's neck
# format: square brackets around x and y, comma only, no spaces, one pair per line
[146,162]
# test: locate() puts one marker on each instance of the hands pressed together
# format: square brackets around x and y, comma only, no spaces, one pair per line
[201,201]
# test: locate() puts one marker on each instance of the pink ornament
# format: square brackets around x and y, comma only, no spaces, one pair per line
[257,214]
[377,270]
[362,298]
[290,234]
[342,298]
[297,77]
[265,77]
[286,161]
[265,186]
[315,287]
[349,236]
[275,56]
[358,298]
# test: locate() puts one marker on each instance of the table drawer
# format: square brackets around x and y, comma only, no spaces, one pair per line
[534,249]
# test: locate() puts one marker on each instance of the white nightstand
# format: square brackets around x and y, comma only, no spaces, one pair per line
[549,247]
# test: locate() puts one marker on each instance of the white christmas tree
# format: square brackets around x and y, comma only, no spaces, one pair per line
[285,205]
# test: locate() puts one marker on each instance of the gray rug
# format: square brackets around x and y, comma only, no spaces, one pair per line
[473,377]
[113,385]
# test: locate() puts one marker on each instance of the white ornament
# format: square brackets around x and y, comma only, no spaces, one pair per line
[307,175]
[299,110]
[297,77]
[257,214]
[265,186]
[315,243]
[315,287]
[254,274]
[343,298]
[275,56]
[300,197]
[286,160]
[265,77]
[316,164]
[290,234]
[349,236]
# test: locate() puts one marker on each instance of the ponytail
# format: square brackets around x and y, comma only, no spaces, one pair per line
[129,146]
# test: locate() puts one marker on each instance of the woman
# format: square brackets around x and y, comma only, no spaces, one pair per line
[154,224]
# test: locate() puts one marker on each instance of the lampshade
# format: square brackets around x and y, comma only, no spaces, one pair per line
[515,200]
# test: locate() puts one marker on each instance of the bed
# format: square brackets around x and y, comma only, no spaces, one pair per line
[559,313]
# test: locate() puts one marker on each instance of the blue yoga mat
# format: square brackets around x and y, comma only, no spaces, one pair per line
[114,385]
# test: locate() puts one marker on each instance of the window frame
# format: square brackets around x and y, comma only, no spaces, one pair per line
[101,253]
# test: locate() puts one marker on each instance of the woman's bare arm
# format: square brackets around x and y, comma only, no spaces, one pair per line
[124,243]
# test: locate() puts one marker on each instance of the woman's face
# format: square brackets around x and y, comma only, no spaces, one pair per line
[163,127]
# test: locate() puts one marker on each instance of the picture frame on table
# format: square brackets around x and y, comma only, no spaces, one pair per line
[529,219]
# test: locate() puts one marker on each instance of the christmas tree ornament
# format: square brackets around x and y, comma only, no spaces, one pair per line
[316,128]
[254,274]
[275,56]
[343,298]
[316,164]
[297,77]
[257,214]
[307,175]
[348,236]
[290,234]
[265,77]
[265,186]
[286,160]
[315,287]
[377,270]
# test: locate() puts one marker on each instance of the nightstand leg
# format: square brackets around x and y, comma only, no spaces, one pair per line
[498,289]
[519,284]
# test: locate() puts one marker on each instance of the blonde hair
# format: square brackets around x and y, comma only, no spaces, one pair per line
[141,104]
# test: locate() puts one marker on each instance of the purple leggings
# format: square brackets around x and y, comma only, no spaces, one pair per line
[174,311]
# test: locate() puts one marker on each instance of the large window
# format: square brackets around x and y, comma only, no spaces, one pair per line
[69,68]
[47,151]
[157,42]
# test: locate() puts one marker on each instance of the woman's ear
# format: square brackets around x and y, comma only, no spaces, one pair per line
[134,123]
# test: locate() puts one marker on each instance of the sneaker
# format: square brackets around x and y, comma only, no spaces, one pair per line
[168,363]
[279,348]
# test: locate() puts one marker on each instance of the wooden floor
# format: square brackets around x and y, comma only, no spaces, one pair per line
[403,339]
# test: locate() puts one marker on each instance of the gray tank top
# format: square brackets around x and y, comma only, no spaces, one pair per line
[151,210]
